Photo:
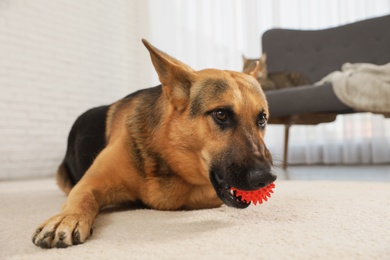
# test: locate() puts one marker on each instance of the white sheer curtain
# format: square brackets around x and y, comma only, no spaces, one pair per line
[216,33]
[351,139]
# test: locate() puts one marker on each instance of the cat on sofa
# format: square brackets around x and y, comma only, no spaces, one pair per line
[275,80]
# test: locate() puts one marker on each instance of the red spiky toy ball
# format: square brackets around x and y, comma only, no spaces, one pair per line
[255,196]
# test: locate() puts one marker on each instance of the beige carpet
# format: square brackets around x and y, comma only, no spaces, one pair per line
[303,220]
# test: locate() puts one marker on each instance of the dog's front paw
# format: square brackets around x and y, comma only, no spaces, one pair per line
[62,230]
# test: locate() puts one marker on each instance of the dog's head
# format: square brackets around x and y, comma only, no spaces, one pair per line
[217,127]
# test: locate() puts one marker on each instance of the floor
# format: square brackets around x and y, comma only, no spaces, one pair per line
[377,173]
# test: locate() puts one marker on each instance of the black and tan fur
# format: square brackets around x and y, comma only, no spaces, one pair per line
[180,145]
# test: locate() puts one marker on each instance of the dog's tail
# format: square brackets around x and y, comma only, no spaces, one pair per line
[63,180]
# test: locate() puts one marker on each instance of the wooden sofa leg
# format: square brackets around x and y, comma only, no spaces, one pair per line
[286,134]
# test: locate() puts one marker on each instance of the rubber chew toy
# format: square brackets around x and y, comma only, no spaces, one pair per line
[255,196]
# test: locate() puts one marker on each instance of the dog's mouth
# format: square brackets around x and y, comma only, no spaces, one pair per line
[225,193]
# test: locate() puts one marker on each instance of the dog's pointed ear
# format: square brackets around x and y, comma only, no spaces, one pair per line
[252,69]
[175,76]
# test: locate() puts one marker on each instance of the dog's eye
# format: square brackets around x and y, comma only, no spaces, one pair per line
[220,115]
[223,117]
[262,120]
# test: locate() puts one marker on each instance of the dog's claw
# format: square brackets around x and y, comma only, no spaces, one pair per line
[61,244]
[34,237]
[76,238]
[45,241]
[48,234]
[61,235]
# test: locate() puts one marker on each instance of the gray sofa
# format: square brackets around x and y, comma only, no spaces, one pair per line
[316,53]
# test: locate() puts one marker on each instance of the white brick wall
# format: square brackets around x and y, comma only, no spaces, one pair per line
[57,59]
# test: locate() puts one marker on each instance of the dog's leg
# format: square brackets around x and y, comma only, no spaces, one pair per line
[203,198]
[102,185]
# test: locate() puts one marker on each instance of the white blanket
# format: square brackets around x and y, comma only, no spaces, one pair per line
[362,86]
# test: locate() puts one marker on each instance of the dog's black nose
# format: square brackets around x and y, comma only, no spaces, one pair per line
[261,178]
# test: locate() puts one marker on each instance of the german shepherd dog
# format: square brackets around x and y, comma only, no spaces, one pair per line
[180,145]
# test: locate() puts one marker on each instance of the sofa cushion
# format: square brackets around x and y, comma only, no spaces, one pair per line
[305,99]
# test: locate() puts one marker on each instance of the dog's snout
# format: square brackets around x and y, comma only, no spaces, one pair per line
[261,178]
